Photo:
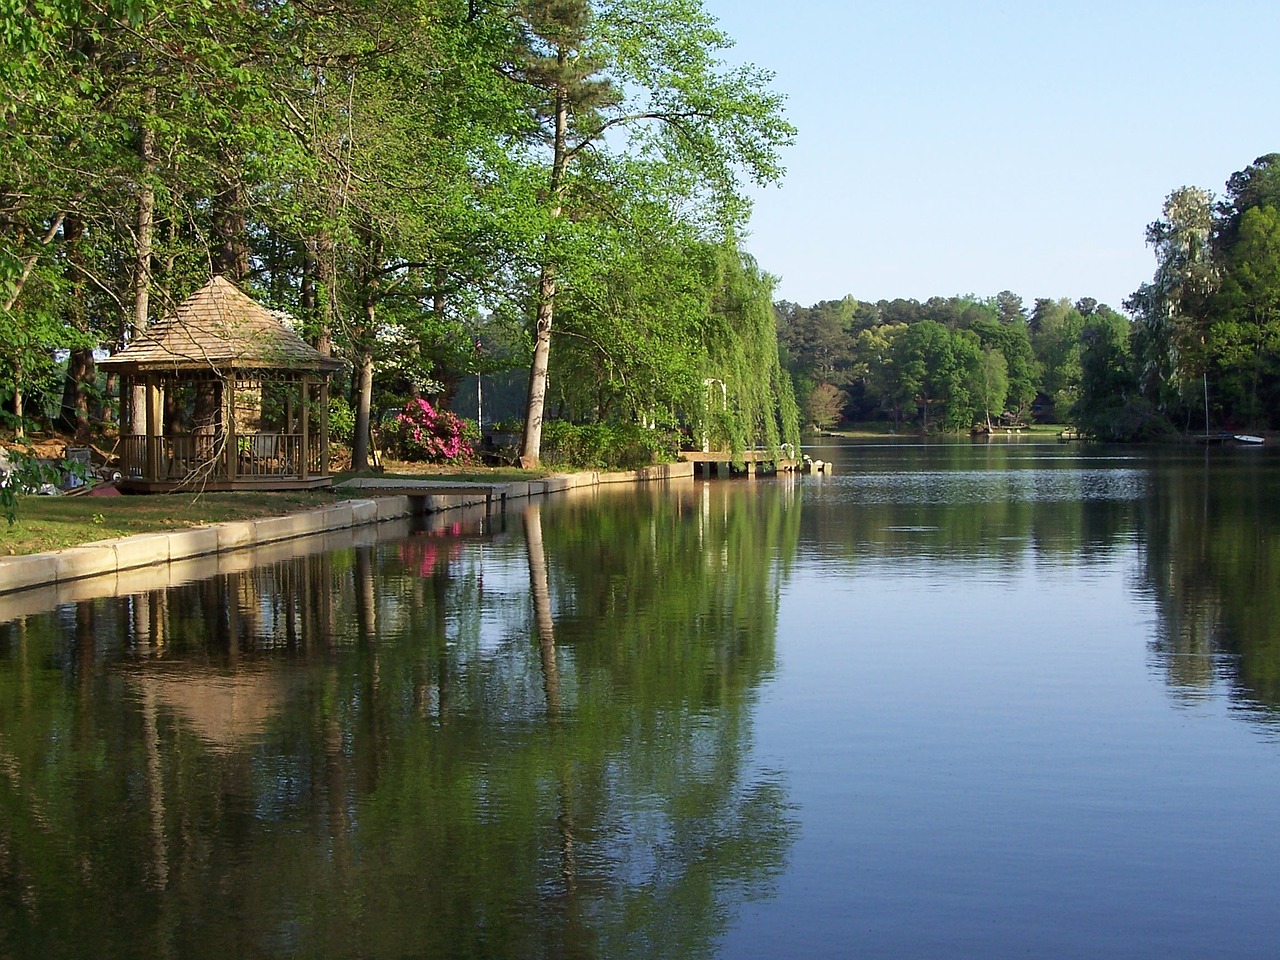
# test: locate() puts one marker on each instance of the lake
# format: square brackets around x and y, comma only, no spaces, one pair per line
[954,700]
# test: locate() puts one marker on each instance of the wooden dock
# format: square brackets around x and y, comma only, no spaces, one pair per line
[722,463]
[402,487]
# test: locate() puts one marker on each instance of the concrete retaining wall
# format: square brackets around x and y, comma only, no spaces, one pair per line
[146,551]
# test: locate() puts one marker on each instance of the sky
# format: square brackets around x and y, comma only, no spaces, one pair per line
[970,147]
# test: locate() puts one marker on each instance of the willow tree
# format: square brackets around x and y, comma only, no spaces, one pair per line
[749,398]
[641,78]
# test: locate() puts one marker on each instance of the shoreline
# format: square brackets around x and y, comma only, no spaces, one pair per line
[145,552]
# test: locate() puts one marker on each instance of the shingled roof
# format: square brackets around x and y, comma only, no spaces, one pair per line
[222,329]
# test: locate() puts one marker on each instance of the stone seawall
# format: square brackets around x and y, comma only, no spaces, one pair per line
[148,551]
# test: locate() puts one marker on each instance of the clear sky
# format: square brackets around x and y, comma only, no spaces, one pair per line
[972,147]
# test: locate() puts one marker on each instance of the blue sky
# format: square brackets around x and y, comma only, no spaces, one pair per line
[971,147]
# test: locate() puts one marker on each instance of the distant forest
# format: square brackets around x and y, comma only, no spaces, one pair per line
[1206,324]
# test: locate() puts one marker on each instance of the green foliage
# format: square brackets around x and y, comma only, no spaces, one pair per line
[926,372]
[629,104]
[859,347]
[756,405]
[1245,334]
[607,446]
[26,473]
[1057,325]
[1110,406]
[824,405]
[1210,317]
[991,383]
[342,419]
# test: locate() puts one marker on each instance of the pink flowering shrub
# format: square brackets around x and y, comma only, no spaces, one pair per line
[430,435]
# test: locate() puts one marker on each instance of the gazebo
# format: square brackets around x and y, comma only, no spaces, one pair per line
[234,400]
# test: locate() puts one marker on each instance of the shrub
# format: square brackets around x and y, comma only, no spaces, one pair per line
[608,446]
[342,419]
[423,433]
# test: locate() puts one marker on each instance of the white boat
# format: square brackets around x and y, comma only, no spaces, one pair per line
[1247,438]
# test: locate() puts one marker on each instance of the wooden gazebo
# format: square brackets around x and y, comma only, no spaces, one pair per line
[233,399]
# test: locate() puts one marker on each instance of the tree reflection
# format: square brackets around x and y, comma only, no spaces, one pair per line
[1211,563]
[994,506]
[1206,524]
[408,750]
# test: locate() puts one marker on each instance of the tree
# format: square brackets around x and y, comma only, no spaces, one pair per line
[1170,311]
[1257,185]
[1109,405]
[1245,335]
[991,385]
[872,366]
[824,407]
[630,317]
[1056,340]
[1009,306]
[818,338]
[924,368]
[1007,332]
[639,77]
[740,346]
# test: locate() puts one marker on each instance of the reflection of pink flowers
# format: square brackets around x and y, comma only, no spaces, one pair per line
[432,435]
[427,554]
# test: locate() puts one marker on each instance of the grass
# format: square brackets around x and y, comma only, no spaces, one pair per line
[51,523]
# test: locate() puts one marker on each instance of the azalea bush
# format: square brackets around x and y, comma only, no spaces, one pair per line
[423,433]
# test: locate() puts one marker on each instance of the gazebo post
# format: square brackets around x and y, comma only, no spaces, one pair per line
[324,425]
[229,426]
[153,427]
[304,455]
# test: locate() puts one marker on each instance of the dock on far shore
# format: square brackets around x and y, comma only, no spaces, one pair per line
[724,463]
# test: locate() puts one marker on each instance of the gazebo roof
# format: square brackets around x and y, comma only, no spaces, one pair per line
[221,329]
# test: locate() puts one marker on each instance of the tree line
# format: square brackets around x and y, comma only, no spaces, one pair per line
[1196,348]
[429,188]
[950,363]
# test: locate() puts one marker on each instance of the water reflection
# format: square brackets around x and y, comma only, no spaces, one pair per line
[988,511]
[525,741]
[560,735]
[1202,527]
[1211,565]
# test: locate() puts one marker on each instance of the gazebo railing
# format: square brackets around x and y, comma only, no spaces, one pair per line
[269,455]
[196,458]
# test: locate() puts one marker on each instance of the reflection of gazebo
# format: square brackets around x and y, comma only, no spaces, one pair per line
[234,399]
[227,711]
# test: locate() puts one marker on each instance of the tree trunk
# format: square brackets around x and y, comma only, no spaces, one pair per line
[81,369]
[326,268]
[364,390]
[142,256]
[535,401]
[531,443]
[19,432]
[29,263]
[308,303]
[230,221]
[449,379]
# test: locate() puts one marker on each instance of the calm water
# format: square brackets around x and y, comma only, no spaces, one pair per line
[953,701]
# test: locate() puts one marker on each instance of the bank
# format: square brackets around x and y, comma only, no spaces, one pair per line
[383,501]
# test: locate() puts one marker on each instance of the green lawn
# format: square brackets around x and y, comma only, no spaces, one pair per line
[51,523]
